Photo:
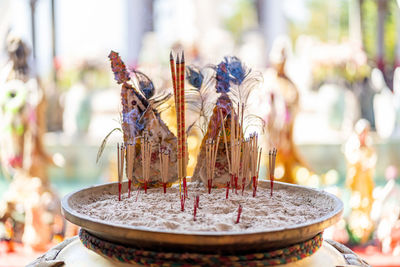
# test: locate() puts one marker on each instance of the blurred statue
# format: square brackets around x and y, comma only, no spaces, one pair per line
[361,160]
[383,104]
[280,128]
[29,205]
[386,213]
[396,100]
[77,106]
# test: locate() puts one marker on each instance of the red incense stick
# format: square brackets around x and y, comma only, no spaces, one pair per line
[272,157]
[209,185]
[194,209]
[236,183]
[182,202]
[254,186]
[239,213]
[227,189]
[129,188]
[197,201]
[183,128]
[165,187]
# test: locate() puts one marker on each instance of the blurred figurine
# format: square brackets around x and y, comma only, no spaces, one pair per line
[383,104]
[386,213]
[280,128]
[361,160]
[396,100]
[77,106]
[29,204]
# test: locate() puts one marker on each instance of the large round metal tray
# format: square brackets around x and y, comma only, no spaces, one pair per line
[206,242]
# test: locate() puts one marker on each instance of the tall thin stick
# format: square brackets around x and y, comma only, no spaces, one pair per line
[164,162]
[239,213]
[183,127]
[121,156]
[225,141]
[178,118]
[130,160]
[146,149]
[272,158]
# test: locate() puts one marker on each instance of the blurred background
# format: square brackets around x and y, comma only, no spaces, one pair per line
[330,99]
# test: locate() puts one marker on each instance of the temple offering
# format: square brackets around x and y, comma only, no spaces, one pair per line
[238,213]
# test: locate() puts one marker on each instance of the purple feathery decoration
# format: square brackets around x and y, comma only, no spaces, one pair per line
[222,78]
[235,69]
[121,75]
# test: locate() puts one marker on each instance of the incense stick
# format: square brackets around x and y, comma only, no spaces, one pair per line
[183,127]
[164,163]
[178,81]
[178,119]
[120,157]
[239,213]
[146,150]
[194,209]
[173,74]
[226,144]
[130,160]
[211,157]
[272,158]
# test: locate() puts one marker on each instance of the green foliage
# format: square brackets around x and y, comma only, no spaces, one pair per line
[369,11]
[390,32]
[92,76]
[328,21]
[243,18]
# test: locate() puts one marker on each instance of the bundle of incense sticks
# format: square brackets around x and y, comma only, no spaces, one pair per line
[255,158]
[236,145]
[164,165]
[178,82]
[120,157]
[130,158]
[211,156]
[146,148]
[227,151]
[271,165]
